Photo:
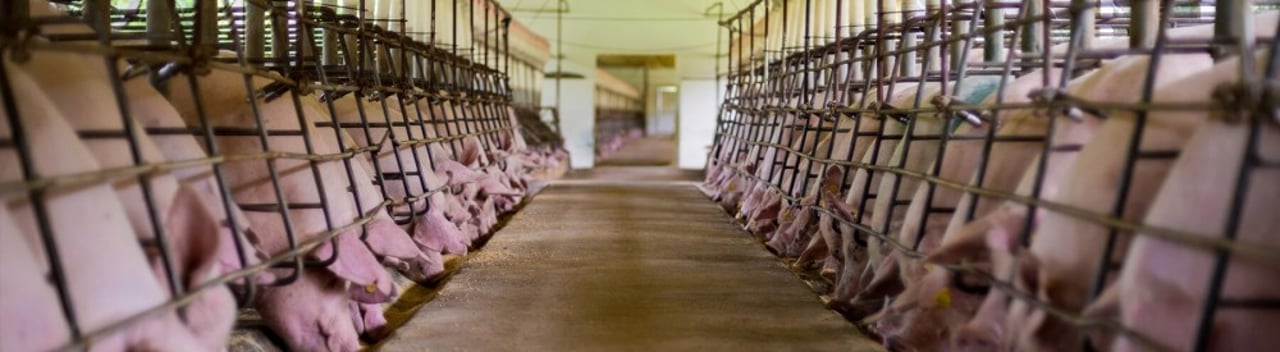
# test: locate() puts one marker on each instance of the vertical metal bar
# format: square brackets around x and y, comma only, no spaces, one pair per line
[559,58]
[1134,145]
[1143,24]
[380,53]
[909,40]
[349,55]
[854,76]
[279,34]
[159,27]
[804,105]
[993,17]
[909,132]
[330,40]
[1250,157]
[779,98]
[1230,19]
[206,26]
[18,15]
[835,97]
[99,15]
[304,42]
[988,142]
[1032,42]
[248,294]
[946,130]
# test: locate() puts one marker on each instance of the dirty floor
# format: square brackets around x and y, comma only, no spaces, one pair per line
[612,266]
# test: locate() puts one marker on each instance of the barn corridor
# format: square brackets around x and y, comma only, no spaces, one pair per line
[657,175]
[597,265]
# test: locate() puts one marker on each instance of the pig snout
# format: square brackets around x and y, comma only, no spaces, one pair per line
[976,336]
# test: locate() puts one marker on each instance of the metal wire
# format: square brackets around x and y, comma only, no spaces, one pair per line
[305,51]
[769,109]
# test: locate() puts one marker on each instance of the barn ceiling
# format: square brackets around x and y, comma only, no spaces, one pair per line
[685,28]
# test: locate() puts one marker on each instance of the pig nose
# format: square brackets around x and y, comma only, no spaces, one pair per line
[887,324]
[894,344]
[972,339]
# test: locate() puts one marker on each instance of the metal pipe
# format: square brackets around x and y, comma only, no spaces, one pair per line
[279,33]
[559,58]
[1144,23]
[1032,42]
[254,30]
[329,45]
[993,42]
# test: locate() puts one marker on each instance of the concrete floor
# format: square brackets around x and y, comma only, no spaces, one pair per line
[615,174]
[624,267]
[647,151]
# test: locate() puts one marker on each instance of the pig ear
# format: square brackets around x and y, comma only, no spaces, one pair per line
[968,242]
[843,210]
[832,178]
[196,237]
[437,151]
[886,280]
[470,151]
[1029,270]
[1106,306]
[385,239]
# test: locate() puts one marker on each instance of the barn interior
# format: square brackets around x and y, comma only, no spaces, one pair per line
[612,175]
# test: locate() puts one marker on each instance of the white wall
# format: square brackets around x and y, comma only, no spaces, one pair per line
[654,124]
[662,121]
[577,111]
[698,108]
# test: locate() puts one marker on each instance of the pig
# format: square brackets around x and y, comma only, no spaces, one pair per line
[1063,277]
[153,110]
[325,324]
[985,329]
[878,152]
[108,279]
[788,242]
[199,247]
[923,314]
[79,87]
[993,235]
[1004,222]
[883,263]
[223,96]
[1162,286]
[32,320]
[436,238]
[848,146]
[395,248]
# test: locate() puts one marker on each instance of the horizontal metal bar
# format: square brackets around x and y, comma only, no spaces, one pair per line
[274,207]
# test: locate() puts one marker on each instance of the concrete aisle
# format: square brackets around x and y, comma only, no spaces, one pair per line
[624,267]
[647,151]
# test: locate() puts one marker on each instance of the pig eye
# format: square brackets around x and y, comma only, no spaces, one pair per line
[969,283]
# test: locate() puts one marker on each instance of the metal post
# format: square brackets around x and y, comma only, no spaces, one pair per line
[559,58]
[1144,22]
[1032,42]
[993,43]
